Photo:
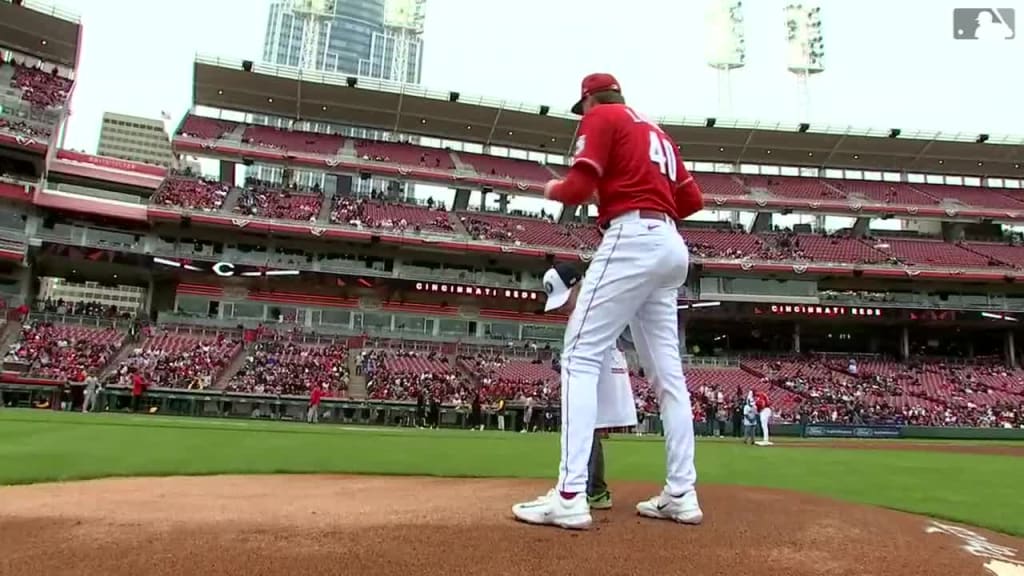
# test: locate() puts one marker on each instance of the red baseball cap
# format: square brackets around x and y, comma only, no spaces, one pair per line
[599,82]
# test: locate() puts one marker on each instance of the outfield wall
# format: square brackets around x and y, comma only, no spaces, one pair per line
[28,392]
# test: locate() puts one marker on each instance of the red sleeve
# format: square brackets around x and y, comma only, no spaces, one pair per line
[594,139]
[579,185]
[689,199]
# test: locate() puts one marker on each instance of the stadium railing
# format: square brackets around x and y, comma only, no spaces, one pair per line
[22,392]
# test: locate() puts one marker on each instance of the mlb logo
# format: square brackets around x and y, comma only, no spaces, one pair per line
[984,24]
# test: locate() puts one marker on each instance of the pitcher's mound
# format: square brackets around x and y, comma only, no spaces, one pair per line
[371,526]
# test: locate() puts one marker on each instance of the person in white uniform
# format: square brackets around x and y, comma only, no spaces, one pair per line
[616,407]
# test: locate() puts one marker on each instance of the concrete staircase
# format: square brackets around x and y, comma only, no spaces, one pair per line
[459,164]
[232,200]
[122,355]
[232,369]
[324,217]
[356,381]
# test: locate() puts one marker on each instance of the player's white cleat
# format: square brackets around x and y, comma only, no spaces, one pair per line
[552,509]
[685,509]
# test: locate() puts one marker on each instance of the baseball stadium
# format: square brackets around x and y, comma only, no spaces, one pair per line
[274,353]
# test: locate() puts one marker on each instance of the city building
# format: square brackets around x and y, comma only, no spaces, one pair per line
[135,139]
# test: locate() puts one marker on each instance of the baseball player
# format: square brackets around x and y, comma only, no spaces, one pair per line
[615,405]
[634,173]
[764,412]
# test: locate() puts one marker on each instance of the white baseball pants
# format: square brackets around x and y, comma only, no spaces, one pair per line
[766,418]
[633,280]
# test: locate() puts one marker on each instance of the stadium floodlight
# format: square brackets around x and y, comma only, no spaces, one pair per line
[805,47]
[894,133]
[726,47]
[982,138]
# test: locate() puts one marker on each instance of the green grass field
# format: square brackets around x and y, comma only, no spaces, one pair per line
[39,446]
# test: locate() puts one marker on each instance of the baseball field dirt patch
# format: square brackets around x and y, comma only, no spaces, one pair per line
[318,525]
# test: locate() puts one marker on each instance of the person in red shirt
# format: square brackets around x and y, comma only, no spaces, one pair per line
[632,170]
[764,412]
[313,412]
[138,388]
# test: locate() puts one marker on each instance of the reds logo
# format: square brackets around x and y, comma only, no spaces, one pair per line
[581,143]
[240,222]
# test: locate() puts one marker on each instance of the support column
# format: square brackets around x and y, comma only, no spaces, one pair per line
[905,343]
[796,338]
[1011,349]
[503,203]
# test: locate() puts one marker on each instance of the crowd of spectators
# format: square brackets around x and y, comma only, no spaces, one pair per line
[20,127]
[77,308]
[268,200]
[41,85]
[920,391]
[169,360]
[407,375]
[59,351]
[287,367]
[192,194]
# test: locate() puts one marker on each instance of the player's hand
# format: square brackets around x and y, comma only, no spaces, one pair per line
[550,186]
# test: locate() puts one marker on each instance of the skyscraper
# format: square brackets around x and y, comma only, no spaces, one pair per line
[380,39]
[345,39]
[135,139]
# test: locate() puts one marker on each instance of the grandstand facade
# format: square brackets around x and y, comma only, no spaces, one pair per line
[272,288]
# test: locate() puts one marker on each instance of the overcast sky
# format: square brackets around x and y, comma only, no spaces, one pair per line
[889,63]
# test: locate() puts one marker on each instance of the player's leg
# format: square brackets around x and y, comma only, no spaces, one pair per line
[597,488]
[655,330]
[615,285]
[766,416]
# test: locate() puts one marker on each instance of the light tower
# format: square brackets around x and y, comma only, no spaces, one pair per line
[805,48]
[726,46]
[313,14]
[403,21]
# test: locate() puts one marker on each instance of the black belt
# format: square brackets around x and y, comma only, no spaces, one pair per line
[643,215]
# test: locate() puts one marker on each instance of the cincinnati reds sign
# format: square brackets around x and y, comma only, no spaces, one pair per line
[479,291]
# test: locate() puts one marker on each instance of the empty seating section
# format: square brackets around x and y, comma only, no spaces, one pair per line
[271,202]
[721,244]
[712,184]
[1010,255]
[378,214]
[405,154]
[809,247]
[931,253]
[191,194]
[286,140]
[171,360]
[792,187]
[498,167]
[522,231]
[972,196]
[883,192]
[205,128]
[40,87]
[63,350]
[281,366]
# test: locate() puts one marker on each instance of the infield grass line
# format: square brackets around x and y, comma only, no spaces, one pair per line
[37,446]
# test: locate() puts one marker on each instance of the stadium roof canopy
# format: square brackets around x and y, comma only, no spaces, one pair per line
[336,98]
[40,30]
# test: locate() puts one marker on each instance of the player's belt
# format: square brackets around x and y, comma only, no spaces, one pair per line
[643,215]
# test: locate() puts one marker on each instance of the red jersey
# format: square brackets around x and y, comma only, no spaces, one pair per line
[315,396]
[761,401]
[138,386]
[638,165]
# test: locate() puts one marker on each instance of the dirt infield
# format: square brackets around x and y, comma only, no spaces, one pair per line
[318,525]
[902,445]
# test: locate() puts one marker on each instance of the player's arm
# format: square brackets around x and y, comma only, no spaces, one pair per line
[593,147]
[689,198]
